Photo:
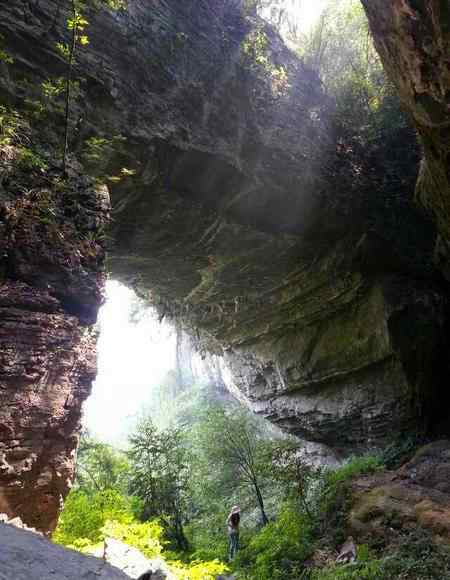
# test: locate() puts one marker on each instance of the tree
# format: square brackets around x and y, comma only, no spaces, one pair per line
[233,452]
[76,25]
[100,467]
[292,471]
[159,476]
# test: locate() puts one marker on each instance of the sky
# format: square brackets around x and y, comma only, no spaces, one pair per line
[132,357]
[307,11]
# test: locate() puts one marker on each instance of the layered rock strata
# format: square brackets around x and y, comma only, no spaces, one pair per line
[51,285]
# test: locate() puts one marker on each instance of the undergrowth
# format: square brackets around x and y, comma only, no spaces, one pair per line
[280,549]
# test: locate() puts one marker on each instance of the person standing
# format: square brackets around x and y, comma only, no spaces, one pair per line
[233,531]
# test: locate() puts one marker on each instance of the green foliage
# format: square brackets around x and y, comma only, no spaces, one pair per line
[341,50]
[97,148]
[97,154]
[398,452]
[279,549]
[4,56]
[417,557]
[64,50]
[291,470]
[11,126]
[84,516]
[78,24]
[29,159]
[255,47]
[206,530]
[361,570]
[159,476]
[197,570]
[315,515]
[110,4]
[100,467]
[256,56]
[354,467]
[14,134]
[52,88]
[147,537]
[236,445]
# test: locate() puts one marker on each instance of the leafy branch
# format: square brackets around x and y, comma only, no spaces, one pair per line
[76,25]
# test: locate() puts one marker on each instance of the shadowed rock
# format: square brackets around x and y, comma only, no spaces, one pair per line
[413,40]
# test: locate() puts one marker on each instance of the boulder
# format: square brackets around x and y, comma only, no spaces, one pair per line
[24,554]
[132,561]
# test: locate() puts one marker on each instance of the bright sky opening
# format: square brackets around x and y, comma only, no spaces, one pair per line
[132,358]
[305,12]
[308,12]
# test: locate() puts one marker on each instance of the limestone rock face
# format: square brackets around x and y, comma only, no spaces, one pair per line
[242,212]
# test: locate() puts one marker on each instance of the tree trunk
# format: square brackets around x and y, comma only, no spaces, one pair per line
[412,38]
[265,519]
[180,537]
[69,86]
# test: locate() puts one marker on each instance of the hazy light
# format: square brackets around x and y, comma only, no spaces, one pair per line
[308,12]
[305,12]
[132,359]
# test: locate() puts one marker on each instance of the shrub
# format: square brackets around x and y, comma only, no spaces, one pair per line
[280,548]
[398,452]
[85,515]
[354,467]
[417,557]
[146,537]
[198,570]
[414,557]
[207,533]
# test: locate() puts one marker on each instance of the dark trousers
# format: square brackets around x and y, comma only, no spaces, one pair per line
[233,545]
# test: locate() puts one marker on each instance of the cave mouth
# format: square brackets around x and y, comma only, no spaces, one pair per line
[135,354]
[143,363]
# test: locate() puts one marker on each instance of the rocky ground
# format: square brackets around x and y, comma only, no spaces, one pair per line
[416,495]
[25,555]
